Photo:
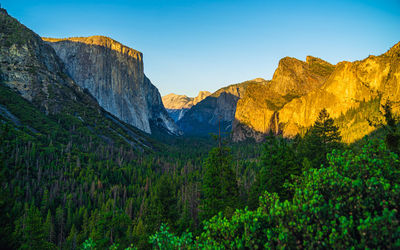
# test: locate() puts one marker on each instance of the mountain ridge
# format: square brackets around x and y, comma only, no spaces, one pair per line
[114,74]
[31,70]
[347,86]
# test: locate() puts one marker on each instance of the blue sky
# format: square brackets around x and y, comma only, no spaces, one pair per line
[190,46]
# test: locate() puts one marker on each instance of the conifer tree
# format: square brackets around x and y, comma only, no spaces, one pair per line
[49,227]
[71,241]
[220,190]
[45,202]
[30,231]
[278,162]
[320,139]
[163,205]
[389,123]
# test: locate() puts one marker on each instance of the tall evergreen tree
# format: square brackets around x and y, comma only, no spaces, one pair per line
[49,228]
[390,124]
[30,231]
[220,190]
[320,139]
[278,162]
[71,241]
[163,205]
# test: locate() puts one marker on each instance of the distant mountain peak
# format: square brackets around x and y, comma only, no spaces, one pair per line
[177,105]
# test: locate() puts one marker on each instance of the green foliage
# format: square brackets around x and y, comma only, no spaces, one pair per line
[220,190]
[350,203]
[320,139]
[390,124]
[356,119]
[70,177]
[89,244]
[85,186]
[163,205]
[30,231]
[278,162]
[163,239]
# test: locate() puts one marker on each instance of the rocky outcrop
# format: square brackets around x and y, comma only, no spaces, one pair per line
[257,112]
[215,110]
[32,70]
[297,78]
[113,74]
[31,67]
[178,105]
[348,91]
[348,87]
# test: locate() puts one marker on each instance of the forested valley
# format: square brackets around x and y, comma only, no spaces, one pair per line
[90,158]
[63,188]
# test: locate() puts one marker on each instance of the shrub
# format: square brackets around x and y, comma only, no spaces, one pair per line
[352,202]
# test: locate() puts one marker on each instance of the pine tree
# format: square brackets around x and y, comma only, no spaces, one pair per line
[163,204]
[389,123]
[220,190]
[60,225]
[320,139]
[71,241]
[278,162]
[45,202]
[31,231]
[392,138]
[49,228]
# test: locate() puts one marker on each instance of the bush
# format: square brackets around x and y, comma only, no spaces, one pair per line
[353,202]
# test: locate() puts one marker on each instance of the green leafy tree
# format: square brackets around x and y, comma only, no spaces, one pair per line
[163,239]
[89,244]
[352,202]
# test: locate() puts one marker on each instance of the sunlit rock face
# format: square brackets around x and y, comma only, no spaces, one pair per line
[350,91]
[178,105]
[258,111]
[113,74]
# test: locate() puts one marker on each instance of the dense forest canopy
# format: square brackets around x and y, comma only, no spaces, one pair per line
[75,191]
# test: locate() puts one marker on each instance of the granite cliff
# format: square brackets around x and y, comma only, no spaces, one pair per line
[216,109]
[31,69]
[350,91]
[178,105]
[114,75]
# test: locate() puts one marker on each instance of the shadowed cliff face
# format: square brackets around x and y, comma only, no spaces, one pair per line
[178,105]
[218,108]
[113,74]
[30,66]
[351,93]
